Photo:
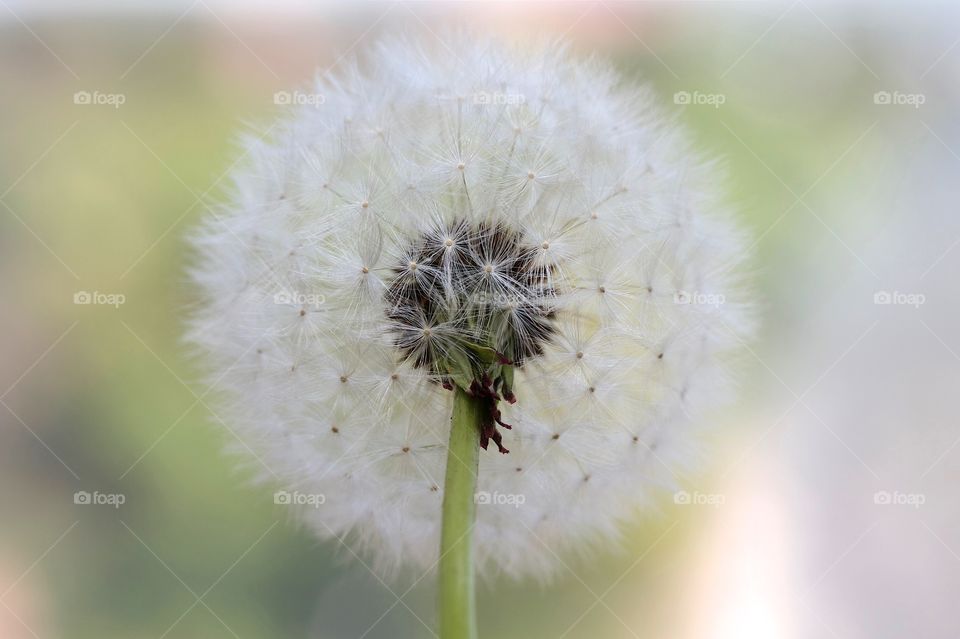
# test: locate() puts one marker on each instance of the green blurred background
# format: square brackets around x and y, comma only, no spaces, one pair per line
[846,195]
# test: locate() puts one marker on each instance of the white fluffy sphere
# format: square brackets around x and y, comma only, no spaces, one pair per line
[330,387]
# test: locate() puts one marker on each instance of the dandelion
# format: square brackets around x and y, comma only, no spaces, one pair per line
[502,235]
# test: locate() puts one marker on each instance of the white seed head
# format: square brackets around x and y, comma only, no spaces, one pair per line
[614,350]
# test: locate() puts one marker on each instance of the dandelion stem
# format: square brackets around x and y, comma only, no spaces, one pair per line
[458,614]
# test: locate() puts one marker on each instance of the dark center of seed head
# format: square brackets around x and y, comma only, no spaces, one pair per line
[470,303]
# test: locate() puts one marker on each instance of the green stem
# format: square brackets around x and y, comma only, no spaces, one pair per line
[458,613]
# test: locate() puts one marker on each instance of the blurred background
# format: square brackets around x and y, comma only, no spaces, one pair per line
[829,506]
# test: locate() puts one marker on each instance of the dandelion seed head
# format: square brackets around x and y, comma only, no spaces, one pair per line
[378,248]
